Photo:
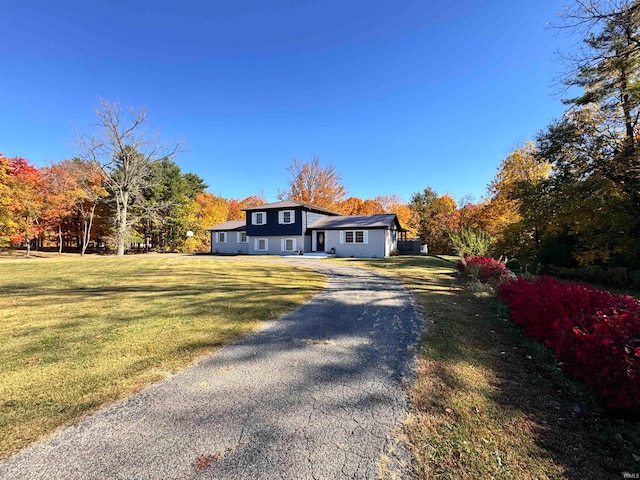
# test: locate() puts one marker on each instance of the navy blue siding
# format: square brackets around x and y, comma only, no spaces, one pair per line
[272,226]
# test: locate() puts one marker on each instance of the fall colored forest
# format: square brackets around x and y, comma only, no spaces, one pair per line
[71,206]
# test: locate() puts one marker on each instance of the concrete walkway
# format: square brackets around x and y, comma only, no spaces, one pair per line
[317,394]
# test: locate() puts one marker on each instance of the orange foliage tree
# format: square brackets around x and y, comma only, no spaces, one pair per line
[236,206]
[435,217]
[350,206]
[404,212]
[313,184]
[24,201]
[61,194]
[5,214]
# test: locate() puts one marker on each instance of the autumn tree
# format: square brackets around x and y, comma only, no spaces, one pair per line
[521,166]
[580,205]
[5,216]
[435,217]
[350,206]
[314,184]
[23,184]
[395,204]
[61,194]
[205,211]
[589,213]
[236,206]
[90,185]
[126,154]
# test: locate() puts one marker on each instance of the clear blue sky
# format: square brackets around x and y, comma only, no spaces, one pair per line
[398,95]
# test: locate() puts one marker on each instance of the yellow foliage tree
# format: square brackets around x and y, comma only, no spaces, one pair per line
[204,212]
[520,166]
[396,204]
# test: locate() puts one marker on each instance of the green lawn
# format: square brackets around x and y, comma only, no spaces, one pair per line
[76,333]
[489,403]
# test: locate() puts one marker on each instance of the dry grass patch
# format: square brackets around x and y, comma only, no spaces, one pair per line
[78,333]
[489,403]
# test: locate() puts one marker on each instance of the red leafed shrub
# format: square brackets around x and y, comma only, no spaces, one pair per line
[595,334]
[485,269]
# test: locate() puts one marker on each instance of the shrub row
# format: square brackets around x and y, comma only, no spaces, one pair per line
[485,269]
[595,334]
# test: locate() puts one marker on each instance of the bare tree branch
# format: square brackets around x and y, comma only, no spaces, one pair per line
[120,145]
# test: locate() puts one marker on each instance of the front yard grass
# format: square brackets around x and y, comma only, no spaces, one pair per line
[78,333]
[489,403]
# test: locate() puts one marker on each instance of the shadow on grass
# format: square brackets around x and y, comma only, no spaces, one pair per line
[297,399]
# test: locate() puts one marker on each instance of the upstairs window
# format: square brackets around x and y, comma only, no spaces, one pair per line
[259,218]
[286,217]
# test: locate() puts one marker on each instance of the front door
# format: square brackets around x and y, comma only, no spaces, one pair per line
[320,241]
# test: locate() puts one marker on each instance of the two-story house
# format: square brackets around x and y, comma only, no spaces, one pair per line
[288,228]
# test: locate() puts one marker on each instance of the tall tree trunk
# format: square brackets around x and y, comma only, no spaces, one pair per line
[59,239]
[121,235]
[86,231]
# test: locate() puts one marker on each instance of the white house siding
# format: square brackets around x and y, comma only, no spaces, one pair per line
[231,246]
[274,245]
[374,248]
[391,240]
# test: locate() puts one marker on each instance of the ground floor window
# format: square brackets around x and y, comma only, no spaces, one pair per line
[288,244]
[242,237]
[355,236]
[222,237]
[262,244]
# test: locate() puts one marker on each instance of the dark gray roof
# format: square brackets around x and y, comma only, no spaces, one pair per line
[230,225]
[290,204]
[357,221]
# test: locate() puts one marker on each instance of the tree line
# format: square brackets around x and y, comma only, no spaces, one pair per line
[71,205]
[571,197]
[126,192]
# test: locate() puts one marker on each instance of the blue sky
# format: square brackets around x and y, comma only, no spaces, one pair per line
[398,95]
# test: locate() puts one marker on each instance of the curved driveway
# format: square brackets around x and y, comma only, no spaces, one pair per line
[317,394]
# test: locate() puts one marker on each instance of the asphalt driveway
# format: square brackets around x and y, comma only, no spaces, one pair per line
[317,394]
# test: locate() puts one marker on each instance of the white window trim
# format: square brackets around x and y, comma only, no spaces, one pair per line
[292,218]
[365,237]
[239,237]
[283,244]
[254,218]
[222,237]
[256,244]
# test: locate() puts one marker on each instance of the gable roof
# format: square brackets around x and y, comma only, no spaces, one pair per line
[290,204]
[238,225]
[357,221]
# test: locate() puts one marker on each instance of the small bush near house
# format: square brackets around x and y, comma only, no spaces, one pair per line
[485,269]
[469,241]
[595,334]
